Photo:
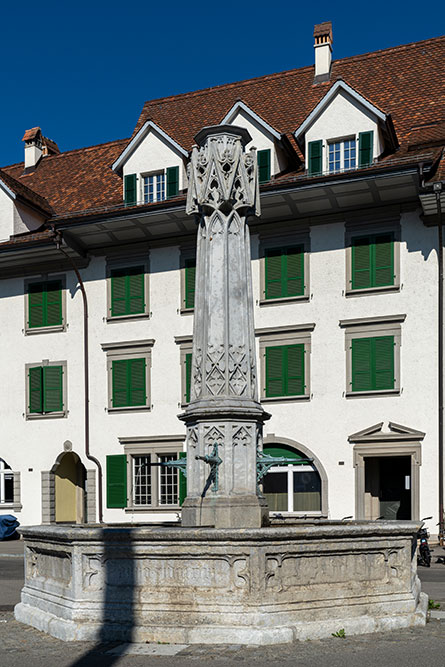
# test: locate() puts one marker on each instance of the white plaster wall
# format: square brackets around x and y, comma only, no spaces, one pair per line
[6,216]
[343,118]
[322,424]
[26,220]
[154,153]
[261,140]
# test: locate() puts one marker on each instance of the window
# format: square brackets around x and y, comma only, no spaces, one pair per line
[134,483]
[45,306]
[284,356]
[154,187]
[284,272]
[372,261]
[9,487]
[46,389]
[263,158]
[341,155]
[6,483]
[128,375]
[188,278]
[292,488]
[372,258]
[127,291]
[373,355]
[127,288]
[186,345]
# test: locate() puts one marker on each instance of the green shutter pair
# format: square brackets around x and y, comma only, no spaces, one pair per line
[285,370]
[315,153]
[188,376]
[117,481]
[45,304]
[284,272]
[263,158]
[45,389]
[372,363]
[372,263]
[190,279]
[129,383]
[127,291]
[130,186]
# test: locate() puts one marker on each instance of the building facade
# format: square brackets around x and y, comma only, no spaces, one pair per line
[346,295]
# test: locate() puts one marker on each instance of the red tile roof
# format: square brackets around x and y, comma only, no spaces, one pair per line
[406,82]
[25,194]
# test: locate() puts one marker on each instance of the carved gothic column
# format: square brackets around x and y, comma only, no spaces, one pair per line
[224,407]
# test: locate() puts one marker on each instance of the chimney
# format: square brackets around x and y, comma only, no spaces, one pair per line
[33,147]
[323,51]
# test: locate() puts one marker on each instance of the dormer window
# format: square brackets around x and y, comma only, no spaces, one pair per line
[341,155]
[154,187]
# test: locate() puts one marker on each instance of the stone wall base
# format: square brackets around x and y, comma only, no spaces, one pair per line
[226,512]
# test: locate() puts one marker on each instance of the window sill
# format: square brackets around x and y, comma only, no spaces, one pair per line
[131,408]
[187,311]
[372,290]
[46,415]
[124,318]
[16,507]
[365,394]
[284,299]
[44,330]
[153,509]
[279,399]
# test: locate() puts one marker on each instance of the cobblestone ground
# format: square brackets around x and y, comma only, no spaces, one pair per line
[22,646]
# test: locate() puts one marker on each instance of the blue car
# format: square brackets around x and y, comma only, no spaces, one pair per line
[8,525]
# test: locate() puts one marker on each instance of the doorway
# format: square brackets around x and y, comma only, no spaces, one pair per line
[388,487]
[69,477]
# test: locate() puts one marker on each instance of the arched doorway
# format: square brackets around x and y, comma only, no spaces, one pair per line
[298,489]
[69,488]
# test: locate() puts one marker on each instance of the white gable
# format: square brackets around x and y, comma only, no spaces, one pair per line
[264,136]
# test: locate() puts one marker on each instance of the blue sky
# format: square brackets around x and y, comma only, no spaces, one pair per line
[83,70]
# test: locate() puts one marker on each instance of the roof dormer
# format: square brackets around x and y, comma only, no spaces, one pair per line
[272,158]
[153,166]
[344,131]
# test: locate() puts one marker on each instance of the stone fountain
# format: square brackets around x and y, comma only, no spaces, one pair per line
[225,575]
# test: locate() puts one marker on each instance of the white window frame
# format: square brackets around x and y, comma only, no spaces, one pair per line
[154,447]
[292,470]
[8,472]
[341,141]
[155,176]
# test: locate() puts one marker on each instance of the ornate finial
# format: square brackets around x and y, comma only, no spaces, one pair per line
[221,175]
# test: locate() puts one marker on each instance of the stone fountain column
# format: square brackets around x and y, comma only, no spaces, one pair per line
[224,407]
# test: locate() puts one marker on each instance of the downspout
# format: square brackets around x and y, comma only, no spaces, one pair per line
[438,191]
[58,240]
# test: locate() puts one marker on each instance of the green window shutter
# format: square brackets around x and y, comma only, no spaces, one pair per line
[315,159]
[182,481]
[53,303]
[117,481]
[190,278]
[263,158]
[36,305]
[294,271]
[172,181]
[365,141]
[119,383]
[362,362]
[130,197]
[136,381]
[384,362]
[35,390]
[274,273]
[294,372]
[361,263]
[127,291]
[275,382]
[52,388]
[383,260]
[188,376]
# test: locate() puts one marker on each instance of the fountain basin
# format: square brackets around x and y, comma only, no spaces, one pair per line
[167,583]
